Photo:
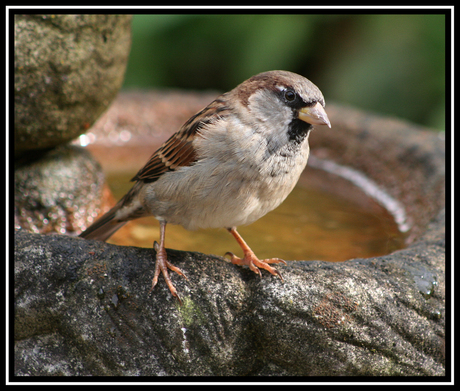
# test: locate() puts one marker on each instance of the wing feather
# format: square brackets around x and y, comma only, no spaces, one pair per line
[178,150]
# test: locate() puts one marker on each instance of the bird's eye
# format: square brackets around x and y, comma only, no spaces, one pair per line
[290,95]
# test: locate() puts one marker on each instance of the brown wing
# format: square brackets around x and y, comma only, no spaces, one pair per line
[178,150]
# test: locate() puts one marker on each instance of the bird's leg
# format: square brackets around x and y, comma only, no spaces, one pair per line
[162,264]
[250,258]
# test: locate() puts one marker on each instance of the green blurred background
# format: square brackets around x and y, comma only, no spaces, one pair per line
[387,63]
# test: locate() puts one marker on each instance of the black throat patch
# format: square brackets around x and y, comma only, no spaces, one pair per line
[298,130]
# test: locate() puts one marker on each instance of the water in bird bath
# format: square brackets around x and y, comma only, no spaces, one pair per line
[326,217]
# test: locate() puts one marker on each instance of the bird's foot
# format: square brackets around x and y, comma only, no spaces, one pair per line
[255,263]
[162,265]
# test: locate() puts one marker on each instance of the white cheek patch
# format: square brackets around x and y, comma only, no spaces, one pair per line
[266,107]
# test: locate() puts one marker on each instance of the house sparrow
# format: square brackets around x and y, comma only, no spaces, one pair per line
[228,165]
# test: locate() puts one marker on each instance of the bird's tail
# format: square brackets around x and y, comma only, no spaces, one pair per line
[105,227]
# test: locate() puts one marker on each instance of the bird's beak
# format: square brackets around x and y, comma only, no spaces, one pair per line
[315,115]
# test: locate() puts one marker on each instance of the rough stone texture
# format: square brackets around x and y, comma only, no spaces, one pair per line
[67,68]
[60,191]
[83,307]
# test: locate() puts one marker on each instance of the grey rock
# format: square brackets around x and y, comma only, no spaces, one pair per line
[59,191]
[84,308]
[68,68]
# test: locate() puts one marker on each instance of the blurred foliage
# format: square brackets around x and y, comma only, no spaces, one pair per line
[392,64]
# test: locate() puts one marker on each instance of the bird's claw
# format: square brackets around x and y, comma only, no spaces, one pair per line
[255,264]
[161,266]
